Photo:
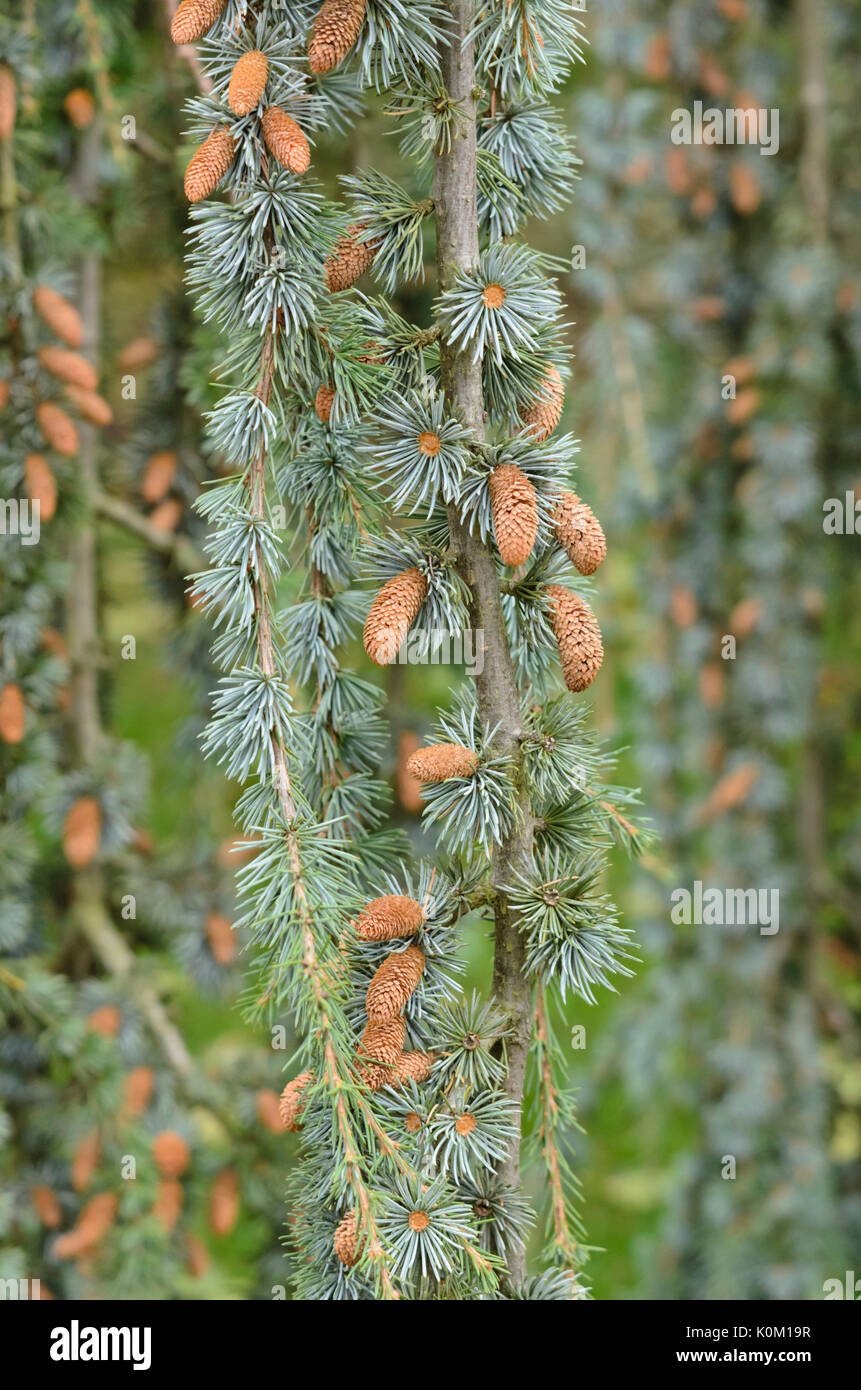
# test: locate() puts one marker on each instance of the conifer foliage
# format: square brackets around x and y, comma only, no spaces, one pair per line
[347,419]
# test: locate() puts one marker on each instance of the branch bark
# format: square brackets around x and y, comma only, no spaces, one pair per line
[455,202]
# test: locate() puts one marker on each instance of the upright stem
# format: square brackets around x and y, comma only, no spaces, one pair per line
[455,202]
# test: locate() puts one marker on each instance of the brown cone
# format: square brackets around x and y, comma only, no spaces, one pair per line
[171,1153]
[137,1092]
[94,1221]
[350,258]
[80,107]
[140,352]
[41,485]
[158,475]
[70,367]
[515,513]
[291,1104]
[13,714]
[323,402]
[57,429]
[383,1042]
[414,1066]
[82,831]
[248,82]
[91,406]
[4,394]
[167,1206]
[61,317]
[268,1106]
[393,983]
[409,792]
[221,938]
[578,637]
[7,101]
[209,164]
[579,532]
[105,1021]
[224,1202]
[443,761]
[388,917]
[333,33]
[393,611]
[542,415]
[194,18]
[46,1206]
[167,515]
[344,1241]
[86,1160]
[286,140]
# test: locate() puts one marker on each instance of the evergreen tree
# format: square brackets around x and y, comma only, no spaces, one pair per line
[424,457]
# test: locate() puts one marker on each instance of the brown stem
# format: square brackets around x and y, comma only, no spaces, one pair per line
[455,198]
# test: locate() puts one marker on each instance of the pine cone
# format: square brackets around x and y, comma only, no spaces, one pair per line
[209,164]
[46,1206]
[578,637]
[40,485]
[158,475]
[248,82]
[171,1153]
[61,317]
[4,394]
[167,1206]
[91,406]
[579,532]
[323,402]
[94,1222]
[57,429]
[443,761]
[383,1042]
[393,983]
[82,831]
[291,1103]
[137,1092]
[286,140]
[393,612]
[7,101]
[344,1241]
[350,259]
[167,515]
[13,714]
[409,793]
[268,1106]
[388,917]
[541,417]
[414,1066]
[140,352]
[87,1156]
[70,367]
[333,33]
[80,107]
[221,938]
[224,1202]
[194,18]
[105,1021]
[515,513]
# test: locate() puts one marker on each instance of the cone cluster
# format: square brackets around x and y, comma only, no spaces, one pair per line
[194,18]
[393,983]
[285,140]
[389,917]
[515,513]
[350,259]
[579,532]
[578,637]
[442,761]
[333,33]
[393,612]
[542,415]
